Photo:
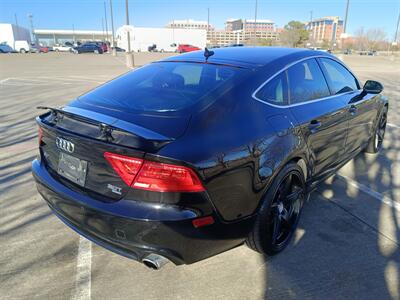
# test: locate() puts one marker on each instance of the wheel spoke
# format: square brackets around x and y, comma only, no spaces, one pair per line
[382,123]
[286,187]
[276,231]
[293,196]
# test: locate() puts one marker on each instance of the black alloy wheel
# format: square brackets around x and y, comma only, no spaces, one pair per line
[280,212]
[380,131]
[376,141]
[285,210]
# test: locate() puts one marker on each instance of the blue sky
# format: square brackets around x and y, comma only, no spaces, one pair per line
[87,14]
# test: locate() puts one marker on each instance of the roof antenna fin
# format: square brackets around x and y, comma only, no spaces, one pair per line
[208,53]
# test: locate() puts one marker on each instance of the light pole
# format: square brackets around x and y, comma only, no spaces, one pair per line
[105,16]
[345,16]
[30,17]
[397,29]
[208,22]
[102,28]
[16,24]
[114,51]
[129,56]
[255,23]
[73,33]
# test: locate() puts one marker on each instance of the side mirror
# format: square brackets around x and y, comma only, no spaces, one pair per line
[372,87]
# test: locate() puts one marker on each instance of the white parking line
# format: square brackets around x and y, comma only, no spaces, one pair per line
[83,271]
[385,199]
[393,125]
[4,80]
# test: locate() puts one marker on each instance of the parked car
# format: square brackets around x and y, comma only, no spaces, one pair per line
[152,48]
[187,48]
[88,47]
[118,49]
[6,49]
[180,160]
[39,49]
[62,48]
[171,48]
[22,46]
[347,52]
[103,46]
[235,45]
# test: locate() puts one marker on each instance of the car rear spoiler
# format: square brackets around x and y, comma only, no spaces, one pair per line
[105,127]
[106,122]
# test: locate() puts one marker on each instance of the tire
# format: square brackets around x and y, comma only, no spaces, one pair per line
[262,238]
[376,141]
[22,51]
[57,50]
[96,51]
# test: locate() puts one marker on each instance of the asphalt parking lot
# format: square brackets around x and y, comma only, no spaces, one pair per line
[347,244]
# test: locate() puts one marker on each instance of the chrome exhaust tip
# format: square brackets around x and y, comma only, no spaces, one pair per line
[154,261]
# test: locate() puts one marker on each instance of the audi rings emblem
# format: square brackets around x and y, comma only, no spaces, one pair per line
[65,145]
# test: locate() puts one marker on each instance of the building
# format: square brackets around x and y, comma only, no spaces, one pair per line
[9,33]
[224,37]
[141,37]
[234,24]
[52,36]
[227,37]
[249,25]
[326,29]
[188,24]
[258,25]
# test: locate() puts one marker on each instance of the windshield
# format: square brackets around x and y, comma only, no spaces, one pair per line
[164,87]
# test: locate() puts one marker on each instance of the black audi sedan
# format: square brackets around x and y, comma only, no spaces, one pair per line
[190,156]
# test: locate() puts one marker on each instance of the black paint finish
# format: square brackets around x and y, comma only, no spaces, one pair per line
[236,144]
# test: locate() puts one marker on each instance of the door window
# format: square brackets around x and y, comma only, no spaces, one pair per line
[306,82]
[275,91]
[339,78]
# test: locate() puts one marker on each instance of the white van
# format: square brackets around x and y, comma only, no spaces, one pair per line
[22,46]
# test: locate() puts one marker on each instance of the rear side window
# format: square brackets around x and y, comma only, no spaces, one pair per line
[165,87]
[339,78]
[306,82]
[275,91]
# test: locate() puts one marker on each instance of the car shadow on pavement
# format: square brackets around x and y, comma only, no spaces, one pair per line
[347,243]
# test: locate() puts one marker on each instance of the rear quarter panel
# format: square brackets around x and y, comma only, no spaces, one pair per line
[237,146]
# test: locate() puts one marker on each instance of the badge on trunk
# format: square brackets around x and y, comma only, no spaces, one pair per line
[65,145]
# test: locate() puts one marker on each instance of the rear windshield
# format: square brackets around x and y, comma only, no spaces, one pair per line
[164,87]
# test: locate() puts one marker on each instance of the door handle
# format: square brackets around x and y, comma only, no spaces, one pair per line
[314,125]
[353,109]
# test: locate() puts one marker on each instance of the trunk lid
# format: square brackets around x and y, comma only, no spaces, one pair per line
[73,144]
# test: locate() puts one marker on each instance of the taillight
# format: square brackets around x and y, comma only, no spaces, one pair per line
[154,176]
[125,166]
[204,221]
[40,135]
[160,177]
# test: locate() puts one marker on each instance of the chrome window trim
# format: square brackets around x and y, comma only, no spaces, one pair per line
[253,95]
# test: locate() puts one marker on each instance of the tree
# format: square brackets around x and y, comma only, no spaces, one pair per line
[294,34]
[360,38]
[375,38]
[371,39]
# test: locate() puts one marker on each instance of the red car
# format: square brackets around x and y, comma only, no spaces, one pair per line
[103,46]
[43,49]
[187,48]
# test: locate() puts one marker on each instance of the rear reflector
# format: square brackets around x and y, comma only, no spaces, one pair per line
[154,176]
[40,135]
[203,221]
[125,166]
[161,177]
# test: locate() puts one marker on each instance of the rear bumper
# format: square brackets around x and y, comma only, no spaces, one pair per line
[135,229]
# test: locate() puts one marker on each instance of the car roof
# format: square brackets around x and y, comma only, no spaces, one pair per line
[249,56]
